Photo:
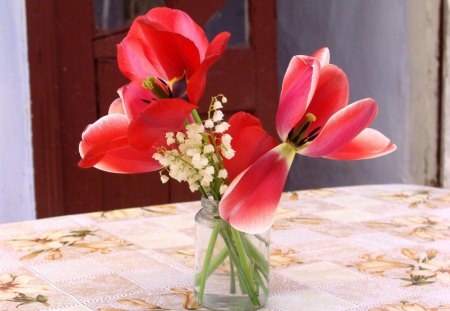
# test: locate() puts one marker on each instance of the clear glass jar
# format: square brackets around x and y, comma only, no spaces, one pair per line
[231,267]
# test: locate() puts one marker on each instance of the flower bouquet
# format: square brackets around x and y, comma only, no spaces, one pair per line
[237,167]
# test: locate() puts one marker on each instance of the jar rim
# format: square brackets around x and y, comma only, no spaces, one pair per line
[210,204]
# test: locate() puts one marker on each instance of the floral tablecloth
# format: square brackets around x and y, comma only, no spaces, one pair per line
[380,247]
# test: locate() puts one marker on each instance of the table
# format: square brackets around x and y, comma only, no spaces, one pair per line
[377,247]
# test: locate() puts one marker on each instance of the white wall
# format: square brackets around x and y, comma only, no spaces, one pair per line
[16,164]
[389,51]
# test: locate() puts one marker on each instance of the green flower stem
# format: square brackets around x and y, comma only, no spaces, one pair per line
[202,191]
[260,281]
[243,279]
[259,260]
[242,283]
[209,252]
[232,279]
[245,288]
[243,258]
[214,264]
[196,116]
[255,277]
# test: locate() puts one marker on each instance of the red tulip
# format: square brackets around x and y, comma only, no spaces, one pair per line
[168,46]
[106,143]
[313,119]
[250,141]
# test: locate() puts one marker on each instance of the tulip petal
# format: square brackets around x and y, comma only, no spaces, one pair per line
[197,82]
[107,128]
[125,160]
[342,127]
[250,202]
[323,55]
[331,95]
[105,146]
[298,88]
[107,133]
[250,141]
[131,57]
[177,55]
[160,117]
[128,161]
[216,48]
[135,98]
[242,119]
[93,154]
[147,51]
[179,22]
[116,107]
[368,144]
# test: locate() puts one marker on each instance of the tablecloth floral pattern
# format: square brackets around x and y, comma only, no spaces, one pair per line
[377,248]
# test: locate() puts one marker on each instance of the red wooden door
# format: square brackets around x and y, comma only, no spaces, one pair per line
[74,78]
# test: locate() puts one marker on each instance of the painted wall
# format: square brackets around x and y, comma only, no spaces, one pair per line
[16,167]
[445,133]
[387,56]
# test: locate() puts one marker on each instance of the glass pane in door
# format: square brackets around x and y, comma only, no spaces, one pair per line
[232,17]
[112,14]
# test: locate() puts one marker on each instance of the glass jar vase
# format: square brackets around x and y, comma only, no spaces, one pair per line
[231,267]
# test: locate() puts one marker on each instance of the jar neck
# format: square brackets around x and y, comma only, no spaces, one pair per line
[210,206]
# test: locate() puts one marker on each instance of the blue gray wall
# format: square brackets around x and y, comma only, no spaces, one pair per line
[372,42]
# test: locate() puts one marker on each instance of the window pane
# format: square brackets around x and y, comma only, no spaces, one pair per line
[233,17]
[112,14]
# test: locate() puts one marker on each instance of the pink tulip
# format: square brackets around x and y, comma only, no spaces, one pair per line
[167,45]
[106,143]
[313,119]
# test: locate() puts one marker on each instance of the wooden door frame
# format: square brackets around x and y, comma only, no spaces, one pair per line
[60,50]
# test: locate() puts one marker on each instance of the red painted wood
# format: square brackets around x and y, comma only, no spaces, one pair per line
[60,56]
[105,44]
[263,40]
[233,76]
[76,88]
[45,108]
